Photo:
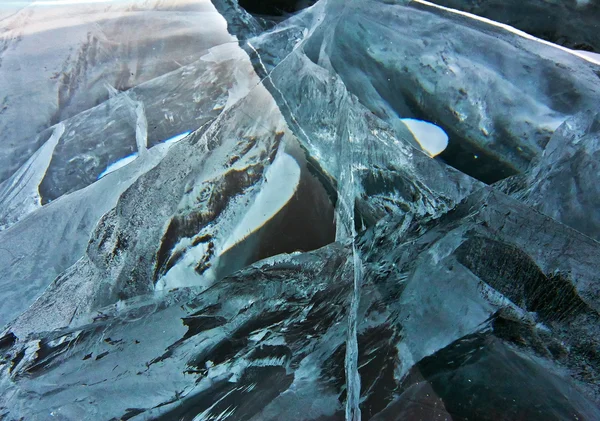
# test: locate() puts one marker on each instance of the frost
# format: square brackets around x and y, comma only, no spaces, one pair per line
[368,210]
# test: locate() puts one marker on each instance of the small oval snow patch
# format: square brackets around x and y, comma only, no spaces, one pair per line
[430,137]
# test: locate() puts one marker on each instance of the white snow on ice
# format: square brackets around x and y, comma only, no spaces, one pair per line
[177,138]
[281,182]
[431,138]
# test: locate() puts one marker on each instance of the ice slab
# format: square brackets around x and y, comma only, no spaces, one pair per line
[292,251]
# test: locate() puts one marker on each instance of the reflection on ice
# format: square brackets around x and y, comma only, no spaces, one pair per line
[119,164]
[215,279]
[581,54]
[593,57]
[177,138]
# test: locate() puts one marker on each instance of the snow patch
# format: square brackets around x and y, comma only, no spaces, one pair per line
[184,274]
[430,137]
[281,182]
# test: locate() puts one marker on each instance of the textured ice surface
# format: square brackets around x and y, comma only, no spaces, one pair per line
[289,219]
[560,184]
[546,20]
[56,59]
[19,195]
[68,221]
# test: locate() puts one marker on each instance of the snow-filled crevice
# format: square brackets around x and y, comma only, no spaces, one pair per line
[302,223]
[292,211]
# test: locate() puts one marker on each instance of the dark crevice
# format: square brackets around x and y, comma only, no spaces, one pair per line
[305,223]
[479,377]
[7,341]
[271,8]
[466,155]
[513,273]
[572,24]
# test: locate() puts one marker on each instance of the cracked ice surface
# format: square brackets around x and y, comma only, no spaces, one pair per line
[362,210]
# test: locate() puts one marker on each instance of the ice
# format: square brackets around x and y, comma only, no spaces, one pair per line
[218,356]
[19,195]
[376,210]
[184,274]
[57,59]
[66,2]
[353,412]
[593,57]
[560,184]
[588,57]
[281,182]
[68,221]
[541,19]
[119,164]
[80,158]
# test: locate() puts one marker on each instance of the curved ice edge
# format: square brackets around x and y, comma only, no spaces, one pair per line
[594,59]
[130,158]
[281,181]
[432,139]
[118,164]
[176,138]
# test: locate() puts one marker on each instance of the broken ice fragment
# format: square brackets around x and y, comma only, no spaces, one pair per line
[19,195]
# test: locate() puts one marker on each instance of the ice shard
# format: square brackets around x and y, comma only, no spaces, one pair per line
[361,210]
[559,184]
